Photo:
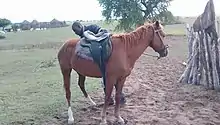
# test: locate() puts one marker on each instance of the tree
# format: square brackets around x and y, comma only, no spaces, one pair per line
[4,22]
[15,27]
[132,12]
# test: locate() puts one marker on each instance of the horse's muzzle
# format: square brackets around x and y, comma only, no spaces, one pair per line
[164,52]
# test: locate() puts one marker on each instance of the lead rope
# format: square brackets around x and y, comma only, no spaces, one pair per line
[151,55]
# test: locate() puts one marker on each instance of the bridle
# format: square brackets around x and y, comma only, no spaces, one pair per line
[165,46]
[160,51]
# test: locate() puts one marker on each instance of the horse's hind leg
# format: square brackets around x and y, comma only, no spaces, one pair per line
[81,83]
[66,79]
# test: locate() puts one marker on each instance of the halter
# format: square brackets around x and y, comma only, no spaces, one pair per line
[165,46]
[161,50]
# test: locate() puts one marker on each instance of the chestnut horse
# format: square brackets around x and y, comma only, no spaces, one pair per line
[126,49]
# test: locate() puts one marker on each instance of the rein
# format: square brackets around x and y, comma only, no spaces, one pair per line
[158,57]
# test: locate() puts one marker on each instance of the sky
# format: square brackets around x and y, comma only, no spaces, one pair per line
[46,10]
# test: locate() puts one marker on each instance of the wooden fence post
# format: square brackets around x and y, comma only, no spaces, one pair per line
[203,61]
[218,27]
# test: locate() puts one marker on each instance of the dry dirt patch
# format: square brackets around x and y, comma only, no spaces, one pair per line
[154,97]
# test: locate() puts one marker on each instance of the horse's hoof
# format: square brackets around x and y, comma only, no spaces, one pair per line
[92,102]
[103,122]
[70,121]
[123,101]
[111,102]
[121,120]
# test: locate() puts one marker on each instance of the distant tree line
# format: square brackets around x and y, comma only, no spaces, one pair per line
[7,25]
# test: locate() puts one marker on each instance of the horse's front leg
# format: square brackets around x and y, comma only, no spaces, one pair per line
[118,91]
[109,87]
[66,79]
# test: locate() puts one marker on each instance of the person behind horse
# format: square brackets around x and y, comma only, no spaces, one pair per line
[79,29]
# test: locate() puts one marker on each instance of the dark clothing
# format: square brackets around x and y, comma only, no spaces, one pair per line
[93,28]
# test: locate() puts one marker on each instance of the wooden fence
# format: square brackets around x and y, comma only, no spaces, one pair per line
[203,61]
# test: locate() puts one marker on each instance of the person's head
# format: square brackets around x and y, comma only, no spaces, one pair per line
[77,27]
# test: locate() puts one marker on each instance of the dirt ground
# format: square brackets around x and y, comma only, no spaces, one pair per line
[154,97]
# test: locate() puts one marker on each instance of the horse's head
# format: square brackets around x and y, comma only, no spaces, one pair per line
[158,40]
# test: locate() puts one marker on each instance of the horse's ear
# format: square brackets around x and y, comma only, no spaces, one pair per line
[157,23]
[150,21]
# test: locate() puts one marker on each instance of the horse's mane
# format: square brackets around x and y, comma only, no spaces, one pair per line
[133,37]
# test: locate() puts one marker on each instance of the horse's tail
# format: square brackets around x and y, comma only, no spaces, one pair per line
[60,51]
[63,52]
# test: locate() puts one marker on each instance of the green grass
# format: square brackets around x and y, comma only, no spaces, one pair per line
[31,86]
[177,29]
[31,91]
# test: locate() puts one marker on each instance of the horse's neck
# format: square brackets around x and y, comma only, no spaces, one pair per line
[138,44]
